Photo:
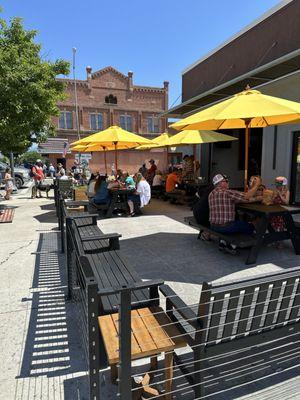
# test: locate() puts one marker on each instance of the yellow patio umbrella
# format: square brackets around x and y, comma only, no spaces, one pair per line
[248,109]
[160,141]
[116,137]
[96,147]
[188,137]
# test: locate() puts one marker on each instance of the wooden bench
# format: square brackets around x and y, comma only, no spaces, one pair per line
[89,300]
[84,237]
[92,239]
[112,270]
[238,239]
[62,189]
[233,317]
[71,208]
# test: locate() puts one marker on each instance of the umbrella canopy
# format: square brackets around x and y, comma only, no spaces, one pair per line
[114,136]
[95,147]
[258,109]
[248,109]
[188,137]
[160,141]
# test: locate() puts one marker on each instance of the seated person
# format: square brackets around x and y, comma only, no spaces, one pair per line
[188,168]
[157,184]
[128,180]
[142,195]
[281,195]
[201,210]
[222,202]
[63,176]
[102,195]
[120,175]
[259,193]
[90,192]
[173,179]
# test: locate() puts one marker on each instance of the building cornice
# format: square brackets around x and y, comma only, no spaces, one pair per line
[262,18]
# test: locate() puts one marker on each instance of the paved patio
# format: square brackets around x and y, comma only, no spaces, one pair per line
[40,350]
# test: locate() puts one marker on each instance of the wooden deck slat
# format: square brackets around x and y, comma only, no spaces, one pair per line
[148,337]
[7,216]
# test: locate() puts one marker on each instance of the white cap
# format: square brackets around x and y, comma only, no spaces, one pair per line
[217,179]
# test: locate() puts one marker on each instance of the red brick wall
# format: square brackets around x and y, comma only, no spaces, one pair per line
[137,101]
[128,160]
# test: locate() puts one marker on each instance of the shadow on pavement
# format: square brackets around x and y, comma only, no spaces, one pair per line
[52,346]
[180,257]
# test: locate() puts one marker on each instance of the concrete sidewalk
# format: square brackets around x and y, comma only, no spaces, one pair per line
[40,350]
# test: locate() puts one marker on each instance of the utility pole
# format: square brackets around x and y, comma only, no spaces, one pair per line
[75,94]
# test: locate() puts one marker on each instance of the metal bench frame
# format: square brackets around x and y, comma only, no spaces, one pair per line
[235,315]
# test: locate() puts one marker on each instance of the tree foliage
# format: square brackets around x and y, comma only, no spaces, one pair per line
[29,91]
[29,157]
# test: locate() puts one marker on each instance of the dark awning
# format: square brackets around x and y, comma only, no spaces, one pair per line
[276,69]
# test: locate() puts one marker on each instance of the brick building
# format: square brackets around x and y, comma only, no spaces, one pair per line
[108,97]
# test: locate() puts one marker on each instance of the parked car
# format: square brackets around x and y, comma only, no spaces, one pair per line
[21,175]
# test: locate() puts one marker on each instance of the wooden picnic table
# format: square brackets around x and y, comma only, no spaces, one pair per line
[152,334]
[119,197]
[265,234]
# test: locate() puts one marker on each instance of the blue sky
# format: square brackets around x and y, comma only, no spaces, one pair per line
[155,39]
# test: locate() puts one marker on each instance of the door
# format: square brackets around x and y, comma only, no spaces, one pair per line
[295,181]
[61,161]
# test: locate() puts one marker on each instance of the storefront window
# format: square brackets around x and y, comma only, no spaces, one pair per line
[296,169]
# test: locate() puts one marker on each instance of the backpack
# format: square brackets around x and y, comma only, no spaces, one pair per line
[31,174]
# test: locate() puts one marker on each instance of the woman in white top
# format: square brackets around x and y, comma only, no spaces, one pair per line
[9,183]
[142,194]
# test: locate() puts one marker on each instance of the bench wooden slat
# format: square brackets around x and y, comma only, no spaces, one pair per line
[291,287]
[131,276]
[135,346]
[232,313]
[217,303]
[121,273]
[260,298]
[102,273]
[295,304]
[275,303]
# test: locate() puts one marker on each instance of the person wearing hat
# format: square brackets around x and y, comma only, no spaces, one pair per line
[151,171]
[281,195]
[222,202]
[60,170]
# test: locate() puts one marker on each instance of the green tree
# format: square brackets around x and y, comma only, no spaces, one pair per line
[29,91]
[30,157]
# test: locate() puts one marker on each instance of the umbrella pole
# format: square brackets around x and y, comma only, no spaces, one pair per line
[116,158]
[168,158]
[246,154]
[194,154]
[105,161]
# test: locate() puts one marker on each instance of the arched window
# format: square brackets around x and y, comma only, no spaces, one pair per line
[111,99]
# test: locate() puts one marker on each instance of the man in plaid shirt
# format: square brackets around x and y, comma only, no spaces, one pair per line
[222,201]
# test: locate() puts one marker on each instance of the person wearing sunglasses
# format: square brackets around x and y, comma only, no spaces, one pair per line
[222,202]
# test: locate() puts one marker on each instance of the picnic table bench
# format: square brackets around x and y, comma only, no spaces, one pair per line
[233,317]
[265,234]
[238,239]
